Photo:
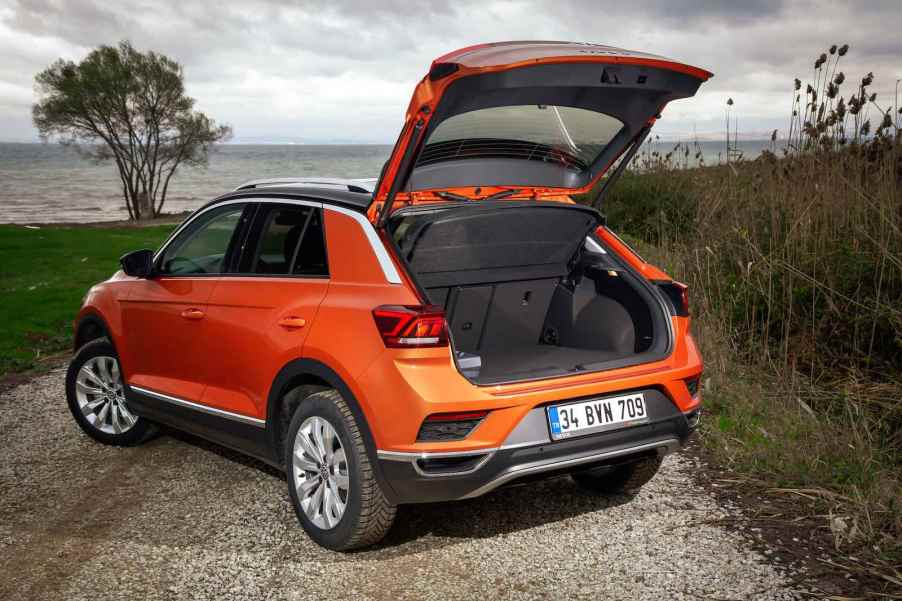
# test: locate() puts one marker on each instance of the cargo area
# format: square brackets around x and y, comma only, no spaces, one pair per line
[527,291]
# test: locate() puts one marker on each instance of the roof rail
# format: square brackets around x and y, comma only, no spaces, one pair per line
[363,185]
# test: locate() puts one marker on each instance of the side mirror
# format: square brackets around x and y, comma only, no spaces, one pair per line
[138,263]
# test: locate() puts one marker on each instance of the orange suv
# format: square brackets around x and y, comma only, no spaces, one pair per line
[460,325]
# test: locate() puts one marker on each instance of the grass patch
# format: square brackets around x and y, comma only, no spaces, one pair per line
[44,273]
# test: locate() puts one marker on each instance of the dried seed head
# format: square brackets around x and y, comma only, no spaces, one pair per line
[832,90]
[843,49]
[798,83]
[866,127]
[873,97]
[773,136]
[833,49]
[867,79]
[809,89]
[887,121]
[840,77]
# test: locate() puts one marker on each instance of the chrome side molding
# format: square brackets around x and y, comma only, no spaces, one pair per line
[244,419]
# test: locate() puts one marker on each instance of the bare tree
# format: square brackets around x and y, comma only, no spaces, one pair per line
[122,105]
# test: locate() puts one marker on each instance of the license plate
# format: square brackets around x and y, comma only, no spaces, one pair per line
[596,415]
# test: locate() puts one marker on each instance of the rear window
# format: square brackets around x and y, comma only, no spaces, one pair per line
[573,137]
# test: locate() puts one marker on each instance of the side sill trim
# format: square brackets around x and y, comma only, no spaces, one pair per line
[244,419]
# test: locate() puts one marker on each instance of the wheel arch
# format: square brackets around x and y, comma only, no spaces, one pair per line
[301,372]
[90,327]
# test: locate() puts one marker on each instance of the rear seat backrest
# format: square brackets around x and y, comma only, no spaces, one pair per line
[498,315]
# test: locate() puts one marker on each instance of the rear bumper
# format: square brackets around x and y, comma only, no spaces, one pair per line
[429,477]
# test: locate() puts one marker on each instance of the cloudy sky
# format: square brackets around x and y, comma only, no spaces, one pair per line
[342,71]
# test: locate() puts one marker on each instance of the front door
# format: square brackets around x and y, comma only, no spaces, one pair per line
[258,318]
[164,315]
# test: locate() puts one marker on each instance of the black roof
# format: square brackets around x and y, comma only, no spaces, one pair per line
[359,201]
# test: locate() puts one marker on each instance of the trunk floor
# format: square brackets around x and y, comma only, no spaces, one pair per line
[538,360]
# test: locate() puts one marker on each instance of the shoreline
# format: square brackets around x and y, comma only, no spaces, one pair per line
[165,219]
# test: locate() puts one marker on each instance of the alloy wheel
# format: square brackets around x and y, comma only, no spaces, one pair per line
[320,472]
[101,397]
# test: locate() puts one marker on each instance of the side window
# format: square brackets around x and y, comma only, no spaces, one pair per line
[311,256]
[201,249]
[289,242]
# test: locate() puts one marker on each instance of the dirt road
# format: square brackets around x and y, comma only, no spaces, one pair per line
[182,519]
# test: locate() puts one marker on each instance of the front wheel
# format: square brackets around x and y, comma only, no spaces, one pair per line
[330,479]
[627,478]
[96,397]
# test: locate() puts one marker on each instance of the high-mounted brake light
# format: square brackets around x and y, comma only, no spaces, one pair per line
[411,326]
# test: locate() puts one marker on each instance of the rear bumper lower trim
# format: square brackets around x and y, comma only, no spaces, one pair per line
[663,447]
[414,460]
[495,467]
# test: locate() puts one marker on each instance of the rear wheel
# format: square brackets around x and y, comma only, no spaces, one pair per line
[96,397]
[627,478]
[330,480]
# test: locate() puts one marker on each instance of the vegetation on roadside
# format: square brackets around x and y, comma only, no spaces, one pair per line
[795,270]
[45,272]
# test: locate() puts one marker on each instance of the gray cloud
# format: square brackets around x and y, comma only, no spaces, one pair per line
[343,70]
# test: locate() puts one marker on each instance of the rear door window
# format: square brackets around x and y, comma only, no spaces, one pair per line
[286,240]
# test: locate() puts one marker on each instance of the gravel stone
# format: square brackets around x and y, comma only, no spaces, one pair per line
[179,518]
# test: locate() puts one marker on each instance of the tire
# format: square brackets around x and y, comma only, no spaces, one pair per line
[96,397]
[314,479]
[627,478]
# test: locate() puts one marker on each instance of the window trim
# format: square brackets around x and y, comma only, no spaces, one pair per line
[239,233]
[389,271]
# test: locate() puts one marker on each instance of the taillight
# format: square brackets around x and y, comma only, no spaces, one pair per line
[409,326]
[678,295]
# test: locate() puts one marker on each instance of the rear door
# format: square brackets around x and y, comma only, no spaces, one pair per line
[259,316]
[164,315]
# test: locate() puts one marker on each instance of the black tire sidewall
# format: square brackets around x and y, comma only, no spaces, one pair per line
[320,405]
[100,348]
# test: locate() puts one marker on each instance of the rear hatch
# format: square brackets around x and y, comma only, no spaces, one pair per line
[527,289]
[536,120]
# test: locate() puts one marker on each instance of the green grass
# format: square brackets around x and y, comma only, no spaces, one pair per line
[44,274]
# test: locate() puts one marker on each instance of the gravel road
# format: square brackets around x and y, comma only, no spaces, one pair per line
[182,519]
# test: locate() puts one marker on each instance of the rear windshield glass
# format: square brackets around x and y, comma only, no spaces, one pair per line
[570,136]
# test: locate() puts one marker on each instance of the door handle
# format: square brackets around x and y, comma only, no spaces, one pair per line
[292,322]
[193,314]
